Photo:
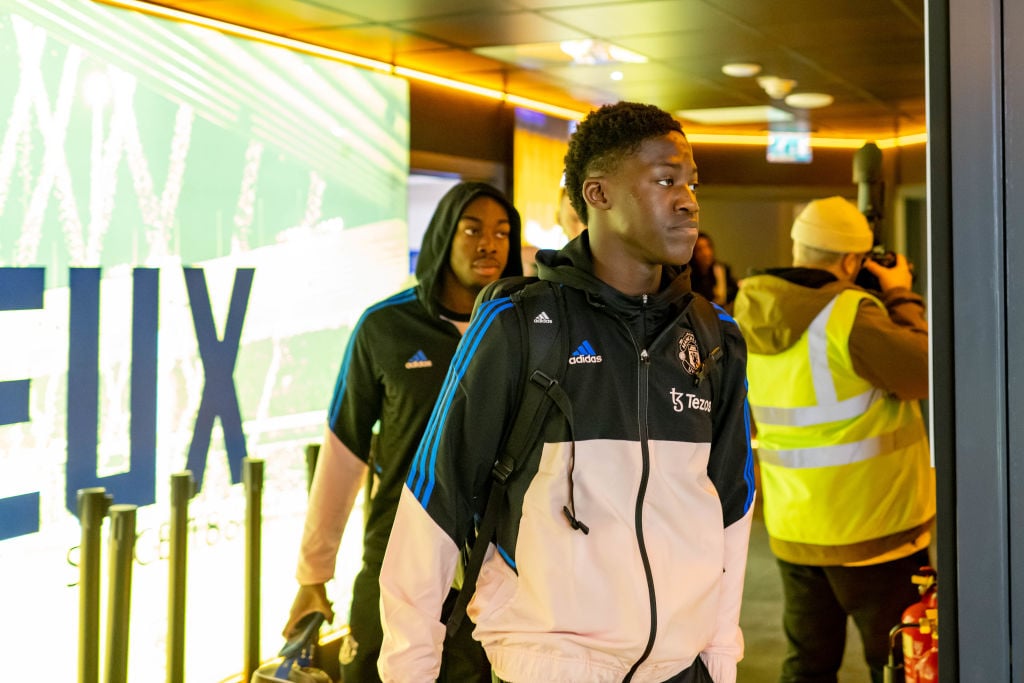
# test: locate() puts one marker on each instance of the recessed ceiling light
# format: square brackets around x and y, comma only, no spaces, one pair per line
[741,69]
[809,100]
[776,87]
[615,75]
[588,51]
[729,115]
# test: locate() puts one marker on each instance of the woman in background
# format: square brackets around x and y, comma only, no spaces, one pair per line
[709,277]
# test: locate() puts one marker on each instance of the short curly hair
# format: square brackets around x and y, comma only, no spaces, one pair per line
[607,135]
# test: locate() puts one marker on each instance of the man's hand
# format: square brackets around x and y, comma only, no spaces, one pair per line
[890,278]
[309,599]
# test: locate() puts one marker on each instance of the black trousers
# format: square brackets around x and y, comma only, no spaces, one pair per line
[462,661]
[818,601]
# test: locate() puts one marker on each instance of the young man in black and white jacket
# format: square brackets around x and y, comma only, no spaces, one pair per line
[622,547]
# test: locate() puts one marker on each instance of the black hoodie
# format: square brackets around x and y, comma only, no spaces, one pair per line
[396,361]
[437,240]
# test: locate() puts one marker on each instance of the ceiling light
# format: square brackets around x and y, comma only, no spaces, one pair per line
[615,75]
[809,100]
[776,87]
[732,115]
[588,51]
[741,69]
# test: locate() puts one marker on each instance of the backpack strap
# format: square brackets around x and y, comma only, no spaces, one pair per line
[545,353]
[709,333]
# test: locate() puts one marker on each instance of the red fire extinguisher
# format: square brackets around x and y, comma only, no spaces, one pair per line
[927,668]
[919,642]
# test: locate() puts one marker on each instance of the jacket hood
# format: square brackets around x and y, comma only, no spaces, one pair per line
[437,240]
[573,266]
[773,310]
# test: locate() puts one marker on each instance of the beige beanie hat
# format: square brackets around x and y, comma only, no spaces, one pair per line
[833,224]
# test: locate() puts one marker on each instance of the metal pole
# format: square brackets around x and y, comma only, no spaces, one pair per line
[183,487]
[312,452]
[92,508]
[119,602]
[252,476]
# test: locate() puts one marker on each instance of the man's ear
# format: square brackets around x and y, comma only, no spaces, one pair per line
[594,193]
[851,264]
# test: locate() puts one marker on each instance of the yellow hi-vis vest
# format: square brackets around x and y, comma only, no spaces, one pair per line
[845,469]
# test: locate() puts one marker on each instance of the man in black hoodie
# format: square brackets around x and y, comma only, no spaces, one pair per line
[392,372]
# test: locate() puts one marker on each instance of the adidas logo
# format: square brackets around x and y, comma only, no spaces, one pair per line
[584,354]
[543,318]
[418,360]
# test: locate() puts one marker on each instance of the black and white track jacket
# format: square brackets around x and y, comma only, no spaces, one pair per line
[658,467]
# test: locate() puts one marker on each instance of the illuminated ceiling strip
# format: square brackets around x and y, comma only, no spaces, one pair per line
[262,36]
[542,107]
[761,140]
[450,83]
[903,141]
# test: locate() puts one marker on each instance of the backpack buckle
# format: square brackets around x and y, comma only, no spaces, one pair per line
[502,470]
[542,380]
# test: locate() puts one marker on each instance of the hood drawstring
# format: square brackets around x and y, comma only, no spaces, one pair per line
[570,510]
[555,392]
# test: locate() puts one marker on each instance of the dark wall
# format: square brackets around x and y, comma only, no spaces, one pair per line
[447,122]
[747,165]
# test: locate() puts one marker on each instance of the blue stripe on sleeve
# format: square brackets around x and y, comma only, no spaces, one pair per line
[339,387]
[723,314]
[748,469]
[422,472]
[505,556]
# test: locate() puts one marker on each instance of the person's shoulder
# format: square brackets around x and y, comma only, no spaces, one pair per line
[506,287]
[385,308]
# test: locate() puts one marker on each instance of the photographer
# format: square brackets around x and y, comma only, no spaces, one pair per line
[835,374]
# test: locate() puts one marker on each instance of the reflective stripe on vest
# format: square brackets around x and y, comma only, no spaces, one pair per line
[844,453]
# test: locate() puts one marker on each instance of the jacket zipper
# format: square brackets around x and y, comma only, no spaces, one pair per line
[645,365]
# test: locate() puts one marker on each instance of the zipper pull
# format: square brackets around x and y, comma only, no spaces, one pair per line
[644,356]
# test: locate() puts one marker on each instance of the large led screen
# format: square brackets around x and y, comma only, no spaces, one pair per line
[190,224]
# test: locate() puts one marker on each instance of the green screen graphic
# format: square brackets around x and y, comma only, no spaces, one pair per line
[190,224]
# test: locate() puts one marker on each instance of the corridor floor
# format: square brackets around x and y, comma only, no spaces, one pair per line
[761,620]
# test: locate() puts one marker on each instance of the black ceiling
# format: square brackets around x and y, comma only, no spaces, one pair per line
[868,54]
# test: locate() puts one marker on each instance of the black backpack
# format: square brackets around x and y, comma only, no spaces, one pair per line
[545,358]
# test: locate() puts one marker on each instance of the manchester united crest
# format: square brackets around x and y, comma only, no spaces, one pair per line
[689,354]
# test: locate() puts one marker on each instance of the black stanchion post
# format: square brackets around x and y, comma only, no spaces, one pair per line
[119,603]
[252,476]
[183,487]
[93,504]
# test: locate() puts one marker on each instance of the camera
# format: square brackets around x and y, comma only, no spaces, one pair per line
[886,259]
[883,257]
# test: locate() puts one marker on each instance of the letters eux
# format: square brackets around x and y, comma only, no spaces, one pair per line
[23,288]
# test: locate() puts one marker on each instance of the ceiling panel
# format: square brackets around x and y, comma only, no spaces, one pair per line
[403,10]
[621,19]
[478,30]
[448,61]
[868,54]
[374,41]
[737,45]
[272,16]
